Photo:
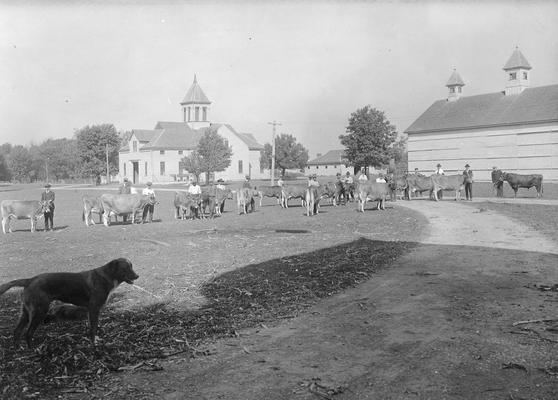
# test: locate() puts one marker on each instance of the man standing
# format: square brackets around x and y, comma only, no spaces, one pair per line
[498,184]
[48,197]
[195,191]
[150,207]
[439,171]
[349,186]
[246,183]
[468,179]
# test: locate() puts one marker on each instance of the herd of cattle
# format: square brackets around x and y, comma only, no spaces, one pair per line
[211,201]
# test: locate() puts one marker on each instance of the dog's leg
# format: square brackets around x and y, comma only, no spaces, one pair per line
[23,321]
[37,314]
[93,322]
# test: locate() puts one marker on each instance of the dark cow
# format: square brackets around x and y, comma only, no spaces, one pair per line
[186,204]
[447,182]
[373,191]
[293,191]
[269,191]
[245,199]
[517,181]
[91,204]
[22,209]
[418,183]
[124,204]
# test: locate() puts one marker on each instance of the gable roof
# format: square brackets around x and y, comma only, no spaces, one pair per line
[195,95]
[173,136]
[517,60]
[144,135]
[247,138]
[332,157]
[533,105]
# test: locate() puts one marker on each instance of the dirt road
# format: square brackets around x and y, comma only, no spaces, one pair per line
[438,324]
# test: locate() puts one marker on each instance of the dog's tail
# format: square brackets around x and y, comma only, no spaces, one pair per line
[18,282]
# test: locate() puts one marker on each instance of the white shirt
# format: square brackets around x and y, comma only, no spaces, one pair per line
[380,180]
[362,177]
[148,191]
[349,179]
[194,189]
[133,190]
[439,171]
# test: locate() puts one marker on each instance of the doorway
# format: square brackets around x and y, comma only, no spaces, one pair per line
[135,174]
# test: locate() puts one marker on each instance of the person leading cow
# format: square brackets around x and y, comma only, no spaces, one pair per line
[48,198]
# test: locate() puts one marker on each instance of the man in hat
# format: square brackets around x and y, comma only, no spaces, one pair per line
[498,184]
[439,170]
[150,207]
[246,183]
[468,179]
[48,197]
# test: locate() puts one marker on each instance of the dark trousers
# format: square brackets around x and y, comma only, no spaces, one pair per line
[500,190]
[49,217]
[469,191]
[148,209]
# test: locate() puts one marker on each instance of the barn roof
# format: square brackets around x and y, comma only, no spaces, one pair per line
[332,157]
[533,105]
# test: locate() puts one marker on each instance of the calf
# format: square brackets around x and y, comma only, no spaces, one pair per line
[22,209]
[124,204]
[186,204]
[293,192]
[245,199]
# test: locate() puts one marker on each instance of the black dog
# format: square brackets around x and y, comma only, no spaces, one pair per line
[87,289]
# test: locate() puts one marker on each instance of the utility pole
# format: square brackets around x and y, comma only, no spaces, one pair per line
[108,173]
[274,123]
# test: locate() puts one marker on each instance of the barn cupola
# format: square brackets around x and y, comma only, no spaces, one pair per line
[517,73]
[195,107]
[454,85]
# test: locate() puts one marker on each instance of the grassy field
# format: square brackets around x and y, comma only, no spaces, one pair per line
[198,279]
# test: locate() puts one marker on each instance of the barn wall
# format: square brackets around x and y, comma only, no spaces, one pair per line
[524,149]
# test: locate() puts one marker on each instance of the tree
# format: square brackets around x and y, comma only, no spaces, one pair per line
[92,142]
[20,164]
[368,139]
[399,155]
[215,153]
[60,155]
[5,174]
[193,164]
[288,154]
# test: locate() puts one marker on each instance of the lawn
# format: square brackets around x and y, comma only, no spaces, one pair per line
[198,280]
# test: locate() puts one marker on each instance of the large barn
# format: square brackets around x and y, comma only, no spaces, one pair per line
[515,129]
[154,154]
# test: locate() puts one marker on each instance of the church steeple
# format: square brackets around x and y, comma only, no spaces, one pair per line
[195,106]
[455,84]
[517,73]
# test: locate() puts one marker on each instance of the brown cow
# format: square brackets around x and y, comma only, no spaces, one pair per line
[124,204]
[447,182]
[517,181]
[374,191]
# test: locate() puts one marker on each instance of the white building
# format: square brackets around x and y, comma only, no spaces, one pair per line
[154,154]
[328,164]
[515,129]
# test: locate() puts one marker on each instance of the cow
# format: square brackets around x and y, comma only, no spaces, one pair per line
[329,190]
[517,181]
[418,183]
[245,199]
[220,196]
[447,182]
[293,191]
[269,191]
[91,204]
[22,209]
[400,187]
[373,191]
[185,203]
[124,204]
[312,199]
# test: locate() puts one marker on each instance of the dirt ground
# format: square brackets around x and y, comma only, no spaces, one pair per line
[438,324]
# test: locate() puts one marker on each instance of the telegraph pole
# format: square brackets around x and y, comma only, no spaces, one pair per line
[274,123]
[108,173]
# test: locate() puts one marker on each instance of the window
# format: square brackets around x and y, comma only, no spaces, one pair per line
[525,75]
[185,120]
[239,166]
[513,76]
[326,167]
[162,168]
[145,169]
[135,145]
[197,114]
[162,152]
[180,152]
[459,89]
[180,167]
[124,168]
[188,113]
[205,114]
[452,89]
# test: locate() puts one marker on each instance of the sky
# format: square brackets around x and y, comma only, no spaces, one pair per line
[305,64]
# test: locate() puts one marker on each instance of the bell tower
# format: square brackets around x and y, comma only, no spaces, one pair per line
[517,73]
[195,107]
[454,85]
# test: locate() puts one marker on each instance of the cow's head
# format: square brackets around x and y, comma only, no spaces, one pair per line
[503,176]
[44,207]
